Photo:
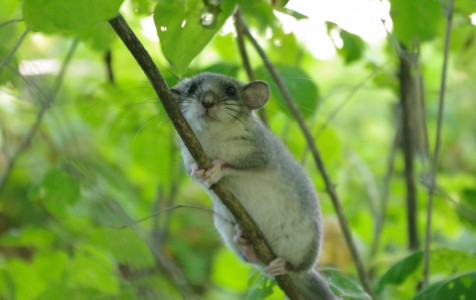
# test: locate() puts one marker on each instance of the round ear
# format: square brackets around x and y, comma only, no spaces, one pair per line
[256,94]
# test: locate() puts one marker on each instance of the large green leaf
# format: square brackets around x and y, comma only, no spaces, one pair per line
[442,261]
[416,21]
[185,27]
[353,45]
[343,286]
[86,18]
[458,287]
[59,189]
[401,270]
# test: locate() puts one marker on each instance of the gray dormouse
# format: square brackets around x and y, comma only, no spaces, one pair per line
[260,171]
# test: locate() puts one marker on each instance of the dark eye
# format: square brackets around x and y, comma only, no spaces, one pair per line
[192,89]
[230,90]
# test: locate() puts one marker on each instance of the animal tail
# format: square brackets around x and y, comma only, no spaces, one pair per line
[312,286]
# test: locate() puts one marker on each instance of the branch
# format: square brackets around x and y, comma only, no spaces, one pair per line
[39,117]
[407,102]
[245,222]
[246,62]
[434,163]
[318,159]
[12,52]
[386,188]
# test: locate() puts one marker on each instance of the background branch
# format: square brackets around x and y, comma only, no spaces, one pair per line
[409,127]
[45,104]
[434,163]
[246,62]
[318,159]
[247,225]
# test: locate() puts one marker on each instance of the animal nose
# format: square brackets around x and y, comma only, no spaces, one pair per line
[209,99]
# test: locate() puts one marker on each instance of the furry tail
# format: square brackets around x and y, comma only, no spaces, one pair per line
[312,286]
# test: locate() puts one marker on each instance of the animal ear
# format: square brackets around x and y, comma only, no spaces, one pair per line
[256,94]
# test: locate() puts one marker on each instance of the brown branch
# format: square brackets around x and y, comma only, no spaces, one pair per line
[434,163]
[318,159]
[248,226]
[407,101]
[246,62]
[45,104]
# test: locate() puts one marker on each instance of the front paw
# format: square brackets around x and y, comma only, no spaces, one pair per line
[210,176]
[278,266]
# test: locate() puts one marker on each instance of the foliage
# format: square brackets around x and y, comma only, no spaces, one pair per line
[83,208]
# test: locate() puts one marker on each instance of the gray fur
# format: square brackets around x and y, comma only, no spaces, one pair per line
[260,172]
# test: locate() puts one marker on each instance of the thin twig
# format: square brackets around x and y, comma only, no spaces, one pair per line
[14,49]
[434,163]
[380,220]
[39,117]
[246,62]
[352,92]
[318,159]
[165,263]
[244,220]
[10,22]
[170,208]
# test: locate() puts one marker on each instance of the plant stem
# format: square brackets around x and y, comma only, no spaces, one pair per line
[39,117]
[12,52]
[246,62]
[434,163]
[318,159]
[244,220]
[407,102]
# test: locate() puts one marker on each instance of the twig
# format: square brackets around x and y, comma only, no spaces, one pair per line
[244,57]
[352,92]
[434,163]
[39,117]
[162,261]
[318,159]
[14,49]
[10,22]
[386,187]
[170,208]
[245,222]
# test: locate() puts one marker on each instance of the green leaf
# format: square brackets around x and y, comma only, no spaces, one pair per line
[458,287]
[295,14]
[262,288]
[183,32]
[128,248]
[344,286]
[300,85]
[59,190]
[400,271]
[223,68]
[353,46]
[7,285]
[86,19]
[416,21]
[92,269]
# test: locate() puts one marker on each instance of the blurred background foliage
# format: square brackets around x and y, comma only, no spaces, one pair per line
[89,162]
